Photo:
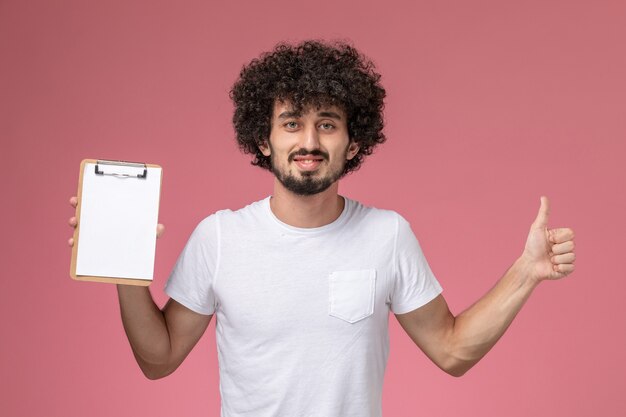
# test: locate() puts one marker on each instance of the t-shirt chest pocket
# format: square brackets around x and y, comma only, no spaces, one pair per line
[351,294]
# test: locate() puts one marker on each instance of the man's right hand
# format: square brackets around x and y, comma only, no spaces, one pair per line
[73,222]
[160,339]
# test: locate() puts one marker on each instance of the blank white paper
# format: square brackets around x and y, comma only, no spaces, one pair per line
[118,220]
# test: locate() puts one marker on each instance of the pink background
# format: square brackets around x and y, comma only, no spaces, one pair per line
[490,105]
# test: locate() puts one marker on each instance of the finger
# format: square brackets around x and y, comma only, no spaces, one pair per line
[561,248]
[160,230]
[72,222]
[73,201]
[566,258]
[561,235]
[563,268]
[543,214]
[70,241]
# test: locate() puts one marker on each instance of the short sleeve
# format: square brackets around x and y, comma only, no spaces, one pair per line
[414,282]
[191,281]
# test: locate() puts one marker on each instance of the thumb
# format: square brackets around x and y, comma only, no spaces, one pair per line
[544,212]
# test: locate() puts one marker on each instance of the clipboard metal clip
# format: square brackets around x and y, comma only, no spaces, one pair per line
[125,172]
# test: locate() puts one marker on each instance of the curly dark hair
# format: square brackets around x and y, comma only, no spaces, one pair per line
[312,73]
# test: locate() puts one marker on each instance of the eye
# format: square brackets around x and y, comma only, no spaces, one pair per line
[327,126]
[291,125]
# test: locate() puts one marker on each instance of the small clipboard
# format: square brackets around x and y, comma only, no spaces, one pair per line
[117,215]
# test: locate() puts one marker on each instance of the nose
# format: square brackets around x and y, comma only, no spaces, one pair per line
[311,138]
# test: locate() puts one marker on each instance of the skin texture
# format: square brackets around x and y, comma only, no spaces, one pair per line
[162,338]
[455,344]
[307,132]
[313,133]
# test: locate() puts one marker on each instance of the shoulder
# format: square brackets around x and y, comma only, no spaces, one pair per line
[369,214]
[250,213]
[360,210]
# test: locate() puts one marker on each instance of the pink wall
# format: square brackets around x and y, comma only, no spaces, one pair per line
[491,104]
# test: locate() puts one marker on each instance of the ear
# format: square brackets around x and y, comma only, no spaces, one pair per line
[353,149]
[264,148]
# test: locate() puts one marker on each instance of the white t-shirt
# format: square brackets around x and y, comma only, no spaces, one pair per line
[302,314]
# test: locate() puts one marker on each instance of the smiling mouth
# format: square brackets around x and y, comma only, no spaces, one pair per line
[308,162]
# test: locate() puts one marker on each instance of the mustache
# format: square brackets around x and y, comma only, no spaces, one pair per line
[303,152]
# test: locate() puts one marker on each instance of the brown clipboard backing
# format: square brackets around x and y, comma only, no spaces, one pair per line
[124,281]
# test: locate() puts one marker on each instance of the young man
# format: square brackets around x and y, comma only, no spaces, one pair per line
[303,281]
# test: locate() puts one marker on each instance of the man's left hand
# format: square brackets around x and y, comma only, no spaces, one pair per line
[549,253]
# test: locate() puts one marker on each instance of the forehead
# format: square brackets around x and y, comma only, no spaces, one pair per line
[284,109]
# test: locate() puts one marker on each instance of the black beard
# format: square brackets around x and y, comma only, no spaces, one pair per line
[307,185]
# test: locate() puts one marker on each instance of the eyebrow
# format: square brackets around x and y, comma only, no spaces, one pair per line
[329,114]
[289,114]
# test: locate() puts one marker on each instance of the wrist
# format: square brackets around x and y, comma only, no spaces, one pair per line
[525,272]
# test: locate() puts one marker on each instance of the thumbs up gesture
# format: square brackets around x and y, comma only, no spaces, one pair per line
[549,252]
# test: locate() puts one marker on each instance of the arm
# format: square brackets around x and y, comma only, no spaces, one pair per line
[455,344]
[160,339]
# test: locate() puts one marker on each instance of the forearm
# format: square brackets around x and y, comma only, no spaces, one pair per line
[478,328]
[146,329]
[456,344]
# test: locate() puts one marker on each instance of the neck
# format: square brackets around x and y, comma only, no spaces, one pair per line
[306,211]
